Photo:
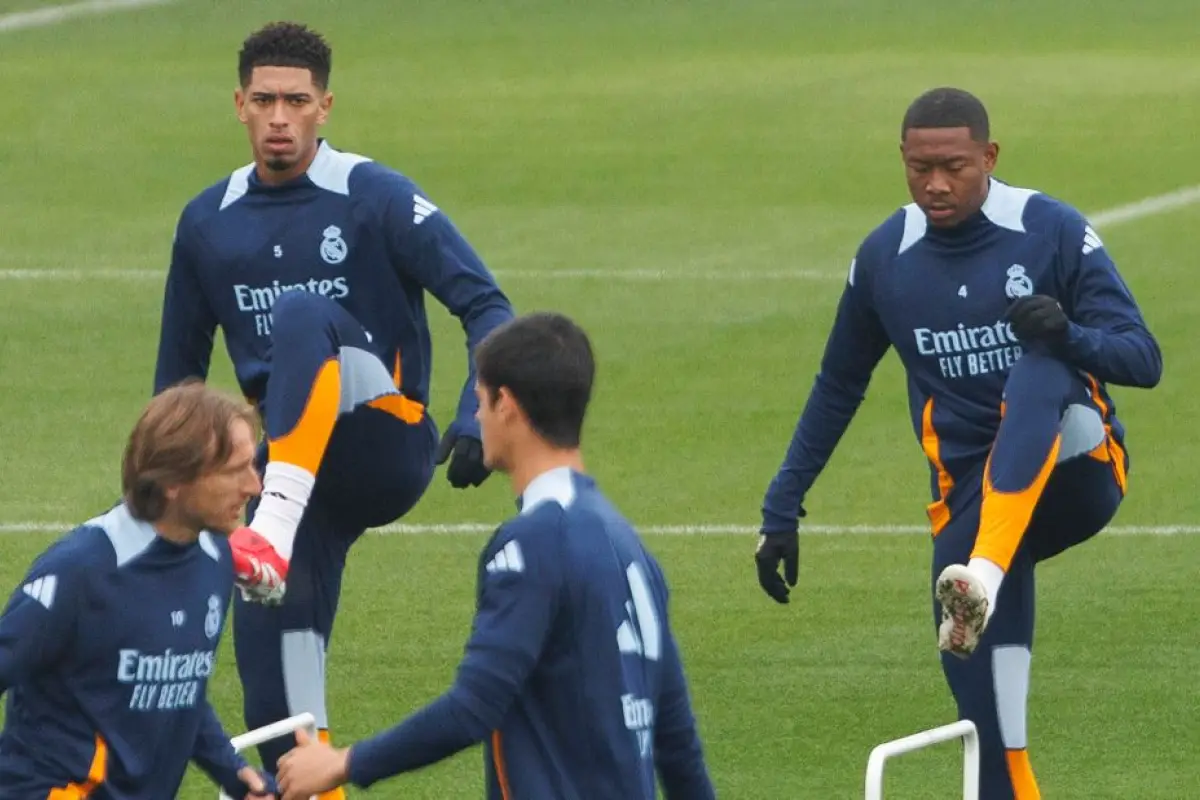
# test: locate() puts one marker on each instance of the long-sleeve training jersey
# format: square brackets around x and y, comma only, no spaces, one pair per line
[348,229]
[572,676]
[939,296]
[106,649]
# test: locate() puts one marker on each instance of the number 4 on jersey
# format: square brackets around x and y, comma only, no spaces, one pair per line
[640,633]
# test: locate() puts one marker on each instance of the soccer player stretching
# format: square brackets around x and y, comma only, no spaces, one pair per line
[1011,321]
[108,644]
[572,676]
[315,264]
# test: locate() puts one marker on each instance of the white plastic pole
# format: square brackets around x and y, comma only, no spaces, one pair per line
[962,729]
[276,730]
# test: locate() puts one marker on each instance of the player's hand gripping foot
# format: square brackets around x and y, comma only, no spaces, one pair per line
[259,571]
[964,610]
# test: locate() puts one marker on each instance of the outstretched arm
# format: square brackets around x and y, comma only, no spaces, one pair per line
[435,254]
[517,606]
[515,613]
[854,347]
[852,351]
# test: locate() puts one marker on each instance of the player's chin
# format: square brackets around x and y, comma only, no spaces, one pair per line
[492,461]
[942,216]
[277,163]
[225,525]
[278,156]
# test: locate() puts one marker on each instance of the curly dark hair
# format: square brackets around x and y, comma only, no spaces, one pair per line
[286,44]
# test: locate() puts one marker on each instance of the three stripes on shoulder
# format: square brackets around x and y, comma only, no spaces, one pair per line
[42,589]
[422,209]
[509,559]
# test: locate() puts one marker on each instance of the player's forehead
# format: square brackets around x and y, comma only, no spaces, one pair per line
[242,447]
[939,144]
[241,435]
[281,80]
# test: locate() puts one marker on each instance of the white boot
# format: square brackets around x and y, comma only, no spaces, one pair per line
[964,610]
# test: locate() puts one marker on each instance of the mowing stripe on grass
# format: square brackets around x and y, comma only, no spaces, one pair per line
[52,15]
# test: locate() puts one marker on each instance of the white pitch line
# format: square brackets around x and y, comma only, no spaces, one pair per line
[697,529]
[1117,215]
[645,275]
[1147,207]
[80,274]
[52,15]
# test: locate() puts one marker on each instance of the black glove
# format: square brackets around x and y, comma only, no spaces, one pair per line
[773,548]
[466,467]
[1038,318]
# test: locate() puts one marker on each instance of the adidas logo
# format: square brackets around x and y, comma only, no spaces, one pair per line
[509,559]
[42,590]
[1090,240]
[627,639]
[422,209]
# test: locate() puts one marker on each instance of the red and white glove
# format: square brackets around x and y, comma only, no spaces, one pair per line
[258,569]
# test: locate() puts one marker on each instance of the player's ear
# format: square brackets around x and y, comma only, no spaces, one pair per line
[239,104]
[506,406]
[324,107]
[502,401]
[990,154]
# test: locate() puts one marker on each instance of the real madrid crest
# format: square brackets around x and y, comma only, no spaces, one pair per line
[1018,283]
[212,620]
[333,246]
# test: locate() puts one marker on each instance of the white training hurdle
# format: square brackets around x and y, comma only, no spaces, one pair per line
[963,729]
[276,730]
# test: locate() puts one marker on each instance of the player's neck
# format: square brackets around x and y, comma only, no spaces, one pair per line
[970,223]
[176,532]
[540,459]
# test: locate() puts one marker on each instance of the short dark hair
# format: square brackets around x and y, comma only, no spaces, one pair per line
[286,44]
[546,362]
[946,107]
